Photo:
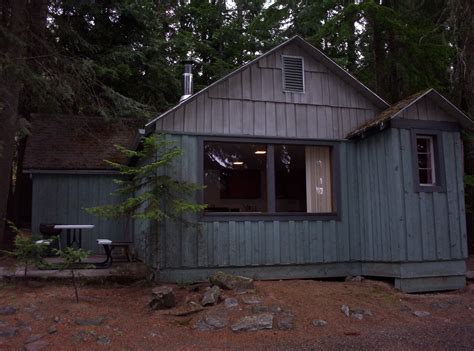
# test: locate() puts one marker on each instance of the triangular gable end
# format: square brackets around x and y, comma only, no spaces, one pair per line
[260,81]
[427,105]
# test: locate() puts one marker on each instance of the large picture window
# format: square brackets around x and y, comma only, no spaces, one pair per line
[268,178]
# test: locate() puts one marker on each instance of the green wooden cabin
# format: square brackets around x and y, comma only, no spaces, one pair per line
[309,174]
[64,163]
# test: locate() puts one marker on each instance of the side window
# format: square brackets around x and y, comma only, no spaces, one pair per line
[428,161]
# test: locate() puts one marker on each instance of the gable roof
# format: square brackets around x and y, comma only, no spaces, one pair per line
[318,54]
[69,142]
[393,111]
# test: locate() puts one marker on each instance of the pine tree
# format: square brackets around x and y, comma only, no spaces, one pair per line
[148,192]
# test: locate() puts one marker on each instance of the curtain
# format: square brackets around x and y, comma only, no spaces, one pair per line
[318,179]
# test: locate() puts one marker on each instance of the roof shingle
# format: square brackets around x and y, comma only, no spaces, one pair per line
[71,142]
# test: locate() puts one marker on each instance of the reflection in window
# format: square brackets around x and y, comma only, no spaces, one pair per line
[235,177]
[303,179]
[290,178]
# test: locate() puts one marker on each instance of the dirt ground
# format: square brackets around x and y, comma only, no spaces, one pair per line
[48,310]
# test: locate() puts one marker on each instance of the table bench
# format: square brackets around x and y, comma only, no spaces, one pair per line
[109,246]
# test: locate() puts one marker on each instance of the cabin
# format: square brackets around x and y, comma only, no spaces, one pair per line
[309,174]
[64,165]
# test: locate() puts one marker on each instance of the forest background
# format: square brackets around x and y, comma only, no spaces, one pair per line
[121,58]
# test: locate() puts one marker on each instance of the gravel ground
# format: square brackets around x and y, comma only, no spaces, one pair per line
[47,311]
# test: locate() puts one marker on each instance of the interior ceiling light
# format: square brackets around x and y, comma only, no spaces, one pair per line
[237,163]
[260,152]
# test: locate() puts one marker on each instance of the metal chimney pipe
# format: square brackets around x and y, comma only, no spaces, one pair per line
[187,79]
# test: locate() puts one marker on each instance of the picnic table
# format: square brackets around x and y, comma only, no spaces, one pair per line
[74,232]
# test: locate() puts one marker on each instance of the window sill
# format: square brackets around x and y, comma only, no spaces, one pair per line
[259,216]
[430,189]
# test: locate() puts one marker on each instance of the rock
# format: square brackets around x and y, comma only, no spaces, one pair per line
[211,296]
[104,340]
[96,321]
[231,302]
[217,321]
[188,310]
[286,323]
[201,325]
[212,321]
[319,323]
[251,299]
[260,309]
[358,316]
[163,298]
[265,309]
[56,319]
[7,310]
[345,309]
[84,335]
[37,345]
[421,313]
[33,338]
[362,312]
[253,323]
[8,332]
[52,329]
[231,282]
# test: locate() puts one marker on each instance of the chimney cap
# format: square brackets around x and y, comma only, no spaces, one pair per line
[189,61]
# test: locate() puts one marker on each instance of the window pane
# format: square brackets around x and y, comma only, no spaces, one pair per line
[424,161]
[290,178]
[303,179]
[425,176]
[422,145]
[235,177]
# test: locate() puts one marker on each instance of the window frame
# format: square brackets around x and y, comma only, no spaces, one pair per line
[271,213]
[439,184]
[283,80]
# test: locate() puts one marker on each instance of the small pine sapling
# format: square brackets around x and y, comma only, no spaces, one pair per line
[27,251]
[147,188]
[70,258]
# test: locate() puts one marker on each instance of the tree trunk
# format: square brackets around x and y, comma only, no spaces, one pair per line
[35,36]
[378,52]
[10,87]
[463,94]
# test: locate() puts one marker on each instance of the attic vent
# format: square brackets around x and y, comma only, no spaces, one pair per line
[293,74]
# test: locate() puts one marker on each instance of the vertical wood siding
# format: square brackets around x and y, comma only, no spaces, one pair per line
[427,110]
[62,199]
[252,102]
[382,218]
[398,223]
[260,242]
